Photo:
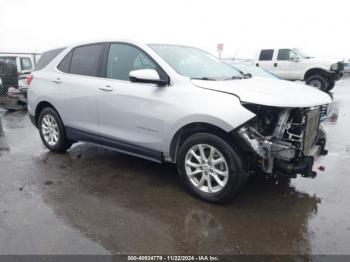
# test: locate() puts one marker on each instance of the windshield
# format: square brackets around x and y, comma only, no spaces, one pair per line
[195,63]
[302,53]
[253,70]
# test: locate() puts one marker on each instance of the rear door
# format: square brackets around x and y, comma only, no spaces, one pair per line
[76,86]
[265,60]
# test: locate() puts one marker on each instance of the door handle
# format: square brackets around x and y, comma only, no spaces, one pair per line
[275,64]
[57,81]
[106,88]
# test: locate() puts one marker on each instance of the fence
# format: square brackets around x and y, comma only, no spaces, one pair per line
[8,77]
[1,130]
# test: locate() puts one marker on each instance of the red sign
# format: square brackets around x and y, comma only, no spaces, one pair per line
[220,47]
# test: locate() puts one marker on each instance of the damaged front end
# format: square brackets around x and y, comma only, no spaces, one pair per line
[285,140]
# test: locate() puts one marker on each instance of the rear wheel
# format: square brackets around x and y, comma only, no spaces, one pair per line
[210,168]
[52,131]
[317,81]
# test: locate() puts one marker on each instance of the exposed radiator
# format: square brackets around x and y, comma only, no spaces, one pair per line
[311,129]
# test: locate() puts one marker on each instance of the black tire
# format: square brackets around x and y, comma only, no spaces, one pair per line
[236,174]
[331,84]
[318,81]
[63,143]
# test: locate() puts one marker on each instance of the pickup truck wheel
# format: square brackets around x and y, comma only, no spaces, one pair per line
[331,84]
[52,131]
[317,81]
[210,168]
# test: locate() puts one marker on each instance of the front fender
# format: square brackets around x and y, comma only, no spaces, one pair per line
[226,115]
[322,67]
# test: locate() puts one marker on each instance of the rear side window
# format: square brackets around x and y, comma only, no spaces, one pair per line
[26,63]
[47,57]
[85,60]
[266,55]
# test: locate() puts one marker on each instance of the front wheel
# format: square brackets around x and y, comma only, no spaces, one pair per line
[210,168]
[52,131]
[317,81]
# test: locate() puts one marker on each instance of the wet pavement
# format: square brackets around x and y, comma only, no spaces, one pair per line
[95,201]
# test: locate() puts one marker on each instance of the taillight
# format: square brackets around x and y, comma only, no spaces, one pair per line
[29,79]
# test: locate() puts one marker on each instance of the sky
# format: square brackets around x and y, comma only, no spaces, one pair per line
[320,27]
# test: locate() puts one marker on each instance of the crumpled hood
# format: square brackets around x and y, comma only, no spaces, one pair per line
[269,92]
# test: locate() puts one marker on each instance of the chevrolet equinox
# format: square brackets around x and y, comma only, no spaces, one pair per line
[178,104]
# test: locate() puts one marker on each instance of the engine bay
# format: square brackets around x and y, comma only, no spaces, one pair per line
[285,139]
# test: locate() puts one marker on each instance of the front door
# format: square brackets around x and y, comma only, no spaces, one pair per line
[285,65]
[131,113]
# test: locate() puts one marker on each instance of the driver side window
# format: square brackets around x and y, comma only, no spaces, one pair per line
[124,58]
[285,54]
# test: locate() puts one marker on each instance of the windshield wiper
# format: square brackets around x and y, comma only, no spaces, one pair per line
[204,78]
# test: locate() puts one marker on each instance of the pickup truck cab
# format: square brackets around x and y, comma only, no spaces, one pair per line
[294,64]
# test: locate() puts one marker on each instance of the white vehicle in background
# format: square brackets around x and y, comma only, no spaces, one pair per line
[347,68]
[24,63]
[293,64]
[254,71]
[14,70]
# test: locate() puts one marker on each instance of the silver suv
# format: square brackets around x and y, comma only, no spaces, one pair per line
[177,104]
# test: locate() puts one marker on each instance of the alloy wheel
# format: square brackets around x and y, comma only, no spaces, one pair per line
[49,129]
[206,168]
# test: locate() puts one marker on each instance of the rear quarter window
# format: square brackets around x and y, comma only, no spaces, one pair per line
[47,57]
[64,65]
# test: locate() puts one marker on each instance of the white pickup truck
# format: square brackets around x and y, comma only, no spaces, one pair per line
[293,64]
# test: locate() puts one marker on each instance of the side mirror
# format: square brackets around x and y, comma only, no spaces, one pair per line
[295,59]
[149,76]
